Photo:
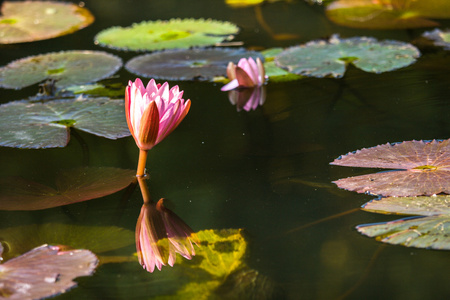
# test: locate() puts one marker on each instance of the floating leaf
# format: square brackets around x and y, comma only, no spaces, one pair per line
[175,33]
[275,73]
[424,206]
[27,21]
[321,58]
[194,64]
[387,14]
[421,232]
[72,186]
[66,68]
[99,239]
[24,124]
[440,38]
[44,272]
[425,169]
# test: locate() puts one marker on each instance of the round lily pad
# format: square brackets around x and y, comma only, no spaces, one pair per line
[175,33]
[193,64]
[24,124]
[330,58]
[439,37]
[66,68]
[27,21]
[422,205]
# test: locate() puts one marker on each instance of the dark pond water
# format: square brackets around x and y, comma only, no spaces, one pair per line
[266,171]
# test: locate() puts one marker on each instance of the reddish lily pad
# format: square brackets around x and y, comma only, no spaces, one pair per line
[387,14]
[44,272]
[172,34]
[194,64]
[27,21]
[33,125]
[424,169]
[66,68]
[72,186]
[432,232]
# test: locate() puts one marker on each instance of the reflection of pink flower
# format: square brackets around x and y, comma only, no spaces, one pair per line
[246,74]
[153,112]
[247,99]
[160,234]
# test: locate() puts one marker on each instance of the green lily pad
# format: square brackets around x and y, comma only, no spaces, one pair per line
[98,239]
[44,272]
[27,21]
[387,14]
[439,37]
[66,68]
[175,33]
[432,232]
[34,125]
[275,73]
[194,64]
[423,205]
[72,186]
[322,58]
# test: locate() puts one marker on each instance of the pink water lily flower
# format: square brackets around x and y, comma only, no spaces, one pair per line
[154,111]
[160,235]
[246,74]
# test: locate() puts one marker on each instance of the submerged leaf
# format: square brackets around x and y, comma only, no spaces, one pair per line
[423,206]
[27,21]
[193,64]
[440,38]
[44,272]
[387,14]
[322,58]
[99,239]
[66,68]
[72,186]
[425,169]
[175,33]
[421,232]
[25,124]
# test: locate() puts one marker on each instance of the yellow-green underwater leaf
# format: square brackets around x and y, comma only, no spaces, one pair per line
[193,64]
[330,58]
[44,272]
[387,14]
[66,68]
[98,239]
[27,21]
[72,186]
[439,37]
[25,124]
[175,33]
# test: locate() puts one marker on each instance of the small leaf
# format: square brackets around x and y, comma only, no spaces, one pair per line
[27,21]
[439,37]
[73,186]
[44,272]
[25,124]
[66,68]
[425,169]
[421,232]
[193,64]
[159,35]
[423,206]
[321,58]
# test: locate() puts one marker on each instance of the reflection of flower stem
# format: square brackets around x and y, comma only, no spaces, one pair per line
[144,189]
[84,146]
[141,164]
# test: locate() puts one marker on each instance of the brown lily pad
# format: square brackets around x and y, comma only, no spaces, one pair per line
[424,169]
[27,21]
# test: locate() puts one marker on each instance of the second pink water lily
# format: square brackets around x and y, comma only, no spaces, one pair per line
[247,74]
[154,111]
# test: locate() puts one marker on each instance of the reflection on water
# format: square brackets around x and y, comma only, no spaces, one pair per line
[266,170]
